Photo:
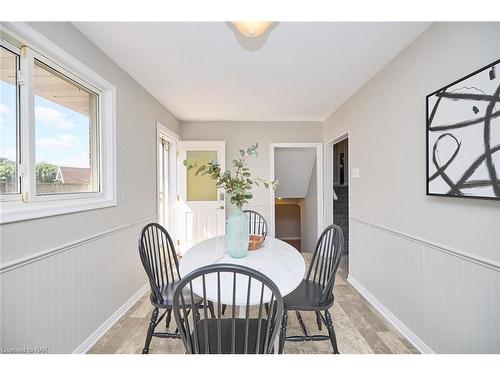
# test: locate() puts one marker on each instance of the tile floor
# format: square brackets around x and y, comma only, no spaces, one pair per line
[359,327]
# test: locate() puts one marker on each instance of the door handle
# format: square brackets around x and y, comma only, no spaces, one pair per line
[220,208]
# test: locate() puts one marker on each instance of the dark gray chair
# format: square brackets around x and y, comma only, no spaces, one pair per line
[315,292]
[159,259]
[256,223]
[254,333]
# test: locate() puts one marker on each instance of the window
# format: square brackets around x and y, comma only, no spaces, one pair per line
[163,181]
[65,134]
[198,187]
[9,104]
[57,131]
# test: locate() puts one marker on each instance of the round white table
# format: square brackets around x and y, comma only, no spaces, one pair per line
[279,261]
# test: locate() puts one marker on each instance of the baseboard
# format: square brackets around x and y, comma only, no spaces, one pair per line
[391,318]
[85,346]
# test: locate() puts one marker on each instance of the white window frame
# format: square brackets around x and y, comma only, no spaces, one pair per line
[15,196]
[28,205]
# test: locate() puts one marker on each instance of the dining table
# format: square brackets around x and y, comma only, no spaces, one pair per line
[276,259]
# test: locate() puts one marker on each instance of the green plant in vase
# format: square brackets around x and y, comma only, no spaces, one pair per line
[238,184]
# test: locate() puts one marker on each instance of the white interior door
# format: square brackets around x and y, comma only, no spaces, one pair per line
[201,208]
[163,182]
[166,178]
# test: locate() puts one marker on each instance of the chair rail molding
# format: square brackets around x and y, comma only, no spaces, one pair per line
[9,266]
[441,299]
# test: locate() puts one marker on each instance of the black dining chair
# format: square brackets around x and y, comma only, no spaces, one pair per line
[252,332]
[315,292]
[160,262]
[256,223]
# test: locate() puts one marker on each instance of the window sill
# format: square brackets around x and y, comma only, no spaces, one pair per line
[21,211]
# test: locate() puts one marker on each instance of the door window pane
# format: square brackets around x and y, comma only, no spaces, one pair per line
[65,134]
[201,188]
[9,180]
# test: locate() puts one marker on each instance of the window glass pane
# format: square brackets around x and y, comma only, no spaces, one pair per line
[201,188]
[65,134]
[9,181]
[164,173]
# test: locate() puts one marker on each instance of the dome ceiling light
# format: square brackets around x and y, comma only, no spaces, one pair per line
[252,29]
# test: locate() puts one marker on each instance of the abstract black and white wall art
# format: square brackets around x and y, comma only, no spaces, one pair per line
[463,136]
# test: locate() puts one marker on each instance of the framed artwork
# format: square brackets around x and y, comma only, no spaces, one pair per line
[463,136]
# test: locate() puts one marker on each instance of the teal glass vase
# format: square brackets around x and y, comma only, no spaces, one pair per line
[237,234]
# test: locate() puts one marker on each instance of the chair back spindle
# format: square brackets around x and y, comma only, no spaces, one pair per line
[251,331]
[159,258]
[256,223]
[326,260]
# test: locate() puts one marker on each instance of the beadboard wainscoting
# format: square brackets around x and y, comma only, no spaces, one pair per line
[62,300]
[443,300]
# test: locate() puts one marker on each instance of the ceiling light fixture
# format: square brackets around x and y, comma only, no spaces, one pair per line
[252,29]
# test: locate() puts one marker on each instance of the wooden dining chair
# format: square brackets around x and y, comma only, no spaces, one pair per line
[160,262]
[256,223]
[315,292]
[251,331]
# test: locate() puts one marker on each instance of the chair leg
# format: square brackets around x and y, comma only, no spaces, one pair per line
[168,318]
[211,309]
[284,323]
[151,329]
[331,332]
[196,314]
[301,323]
[318,320]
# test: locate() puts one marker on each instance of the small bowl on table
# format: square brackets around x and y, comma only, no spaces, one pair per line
[255,242]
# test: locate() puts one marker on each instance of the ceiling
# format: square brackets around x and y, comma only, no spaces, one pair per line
[297,71]
[48,84]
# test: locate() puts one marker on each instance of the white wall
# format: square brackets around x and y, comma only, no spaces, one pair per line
[309,220]
[431,262]
[92,268]
[241,134]
[293,168]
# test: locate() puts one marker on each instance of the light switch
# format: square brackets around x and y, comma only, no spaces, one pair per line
[355,173]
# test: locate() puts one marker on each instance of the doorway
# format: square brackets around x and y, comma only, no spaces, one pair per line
[163,182]
[341,189]
[337,189]
[288,223]
[166,177]
[200,208]
[296,214]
